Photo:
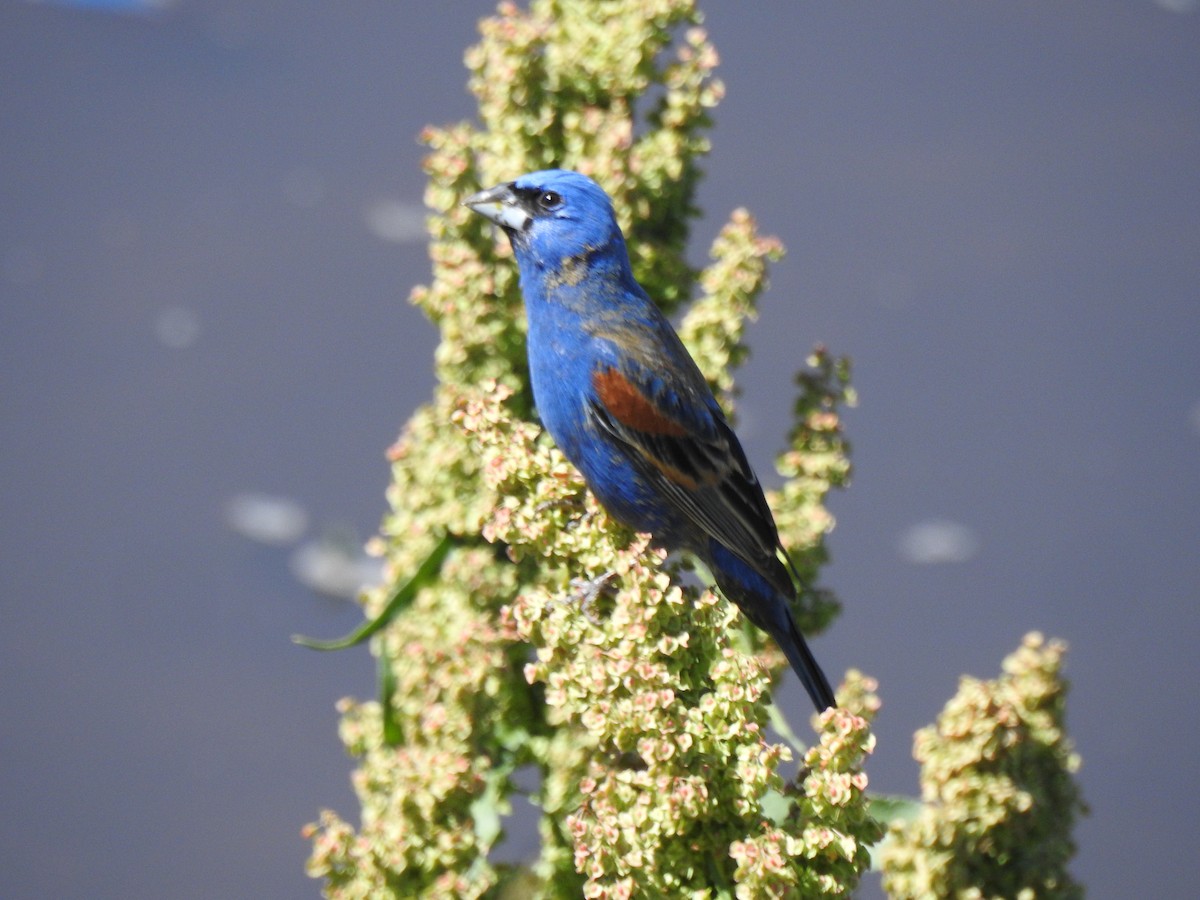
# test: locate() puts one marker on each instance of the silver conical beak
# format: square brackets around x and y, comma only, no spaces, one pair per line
[501,205]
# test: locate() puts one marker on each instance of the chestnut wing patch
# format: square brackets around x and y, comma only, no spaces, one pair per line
[708,479]
[630,407]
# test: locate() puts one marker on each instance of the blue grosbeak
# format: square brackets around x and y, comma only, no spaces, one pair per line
[628,406]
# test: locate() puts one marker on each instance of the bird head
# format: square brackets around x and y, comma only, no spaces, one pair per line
[551,216]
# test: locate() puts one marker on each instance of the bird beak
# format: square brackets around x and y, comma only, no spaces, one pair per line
[501,205]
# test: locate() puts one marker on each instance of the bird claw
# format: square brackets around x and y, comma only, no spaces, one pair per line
[587,590]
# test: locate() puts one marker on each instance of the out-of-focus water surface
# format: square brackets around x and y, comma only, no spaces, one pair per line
[211,220]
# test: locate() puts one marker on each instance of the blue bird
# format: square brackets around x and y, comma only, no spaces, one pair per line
[627,405]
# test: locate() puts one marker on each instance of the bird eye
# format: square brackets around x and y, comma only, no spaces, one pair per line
[549,200]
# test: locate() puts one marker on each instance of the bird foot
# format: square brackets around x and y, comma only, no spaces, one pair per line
[587,591]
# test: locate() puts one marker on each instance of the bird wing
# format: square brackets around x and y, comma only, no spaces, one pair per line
[690,452]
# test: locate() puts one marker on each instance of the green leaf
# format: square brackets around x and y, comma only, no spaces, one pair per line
[393,732]
[425,575]
[489,808]
[889,808]
[776,807]
[784,729]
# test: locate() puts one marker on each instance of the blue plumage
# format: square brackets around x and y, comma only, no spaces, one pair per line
[627,405]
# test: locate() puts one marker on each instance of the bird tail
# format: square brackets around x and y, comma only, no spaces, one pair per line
[805,665]
[770,609]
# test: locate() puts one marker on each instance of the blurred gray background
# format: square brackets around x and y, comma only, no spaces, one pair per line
[210,226]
